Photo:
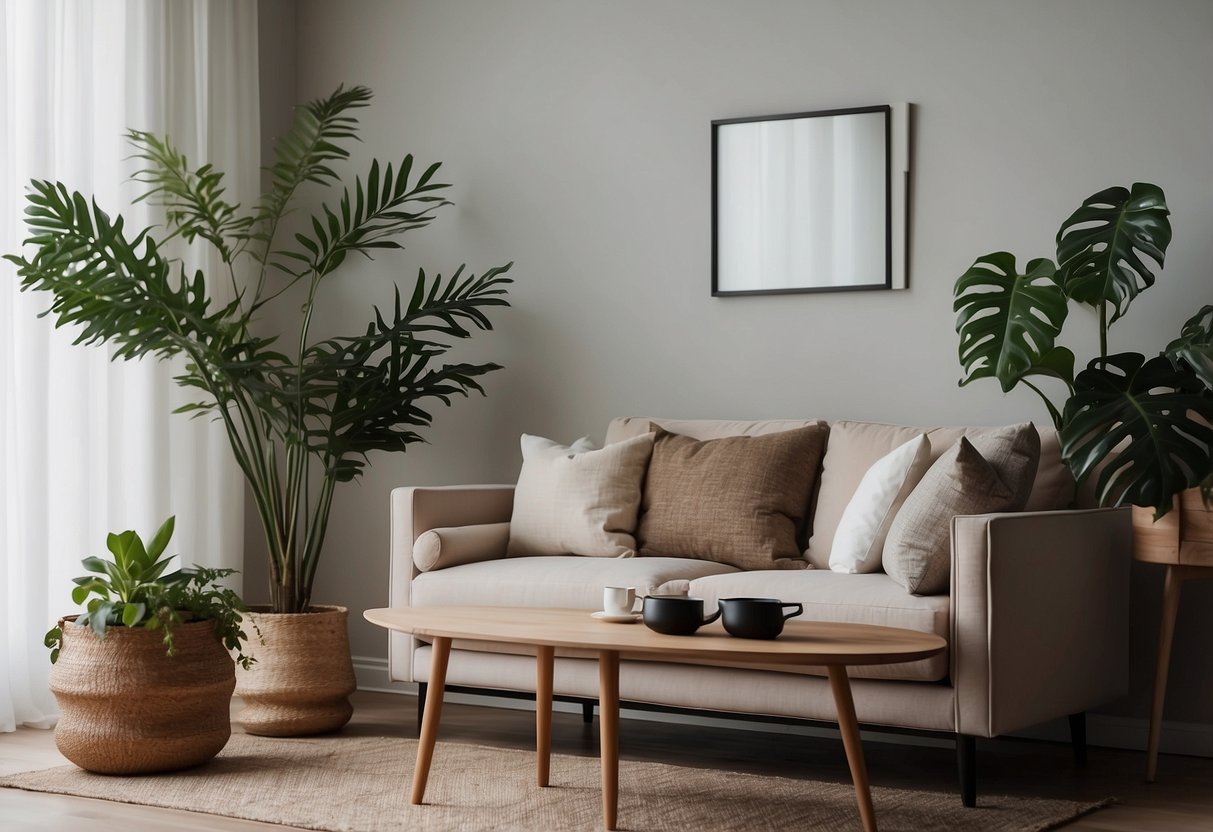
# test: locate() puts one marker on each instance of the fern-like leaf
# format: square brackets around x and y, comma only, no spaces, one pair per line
[367,393]
[192,199]
[117,290]
[379,208]
[306,152]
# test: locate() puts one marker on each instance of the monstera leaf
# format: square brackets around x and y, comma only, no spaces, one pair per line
[1163,412]
[1008,322]
[1195,345]
[1100,247]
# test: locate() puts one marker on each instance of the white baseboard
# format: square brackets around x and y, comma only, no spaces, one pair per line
[372,674]
[1192,739]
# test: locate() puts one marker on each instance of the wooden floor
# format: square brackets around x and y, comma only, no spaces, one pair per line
[1182,799]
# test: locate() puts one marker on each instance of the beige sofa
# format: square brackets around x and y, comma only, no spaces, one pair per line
[1036,619]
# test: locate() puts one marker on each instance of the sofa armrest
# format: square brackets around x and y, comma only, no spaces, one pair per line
[1040,616]
[416,510]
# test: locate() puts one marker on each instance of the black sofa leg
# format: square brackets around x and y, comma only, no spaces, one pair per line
[422,689]
[966,763]
[587,711]
[1078,738]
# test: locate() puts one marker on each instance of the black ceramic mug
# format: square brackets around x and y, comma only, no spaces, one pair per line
[675,615]
[756,617]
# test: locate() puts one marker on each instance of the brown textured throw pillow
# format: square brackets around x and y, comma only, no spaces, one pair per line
[992,473]
[740,500]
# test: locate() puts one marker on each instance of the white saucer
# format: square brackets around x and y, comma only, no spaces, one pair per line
[629,618]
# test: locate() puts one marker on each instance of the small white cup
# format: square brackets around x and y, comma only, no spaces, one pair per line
[618,600]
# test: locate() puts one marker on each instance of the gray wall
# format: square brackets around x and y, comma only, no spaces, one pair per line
[577,136]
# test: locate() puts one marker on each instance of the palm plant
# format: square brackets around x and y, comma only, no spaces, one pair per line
[299,422]
[1140,426]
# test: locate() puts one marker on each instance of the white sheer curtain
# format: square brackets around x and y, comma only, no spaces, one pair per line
[89,446]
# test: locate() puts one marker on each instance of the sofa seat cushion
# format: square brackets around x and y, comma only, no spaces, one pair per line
[872,598]
[554,580]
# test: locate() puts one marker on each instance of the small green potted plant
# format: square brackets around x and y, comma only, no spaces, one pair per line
[144,677]
[1138,427]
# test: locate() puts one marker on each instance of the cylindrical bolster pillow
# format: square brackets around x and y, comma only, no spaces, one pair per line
[440,548]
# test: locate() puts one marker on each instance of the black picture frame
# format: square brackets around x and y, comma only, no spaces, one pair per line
[888,281]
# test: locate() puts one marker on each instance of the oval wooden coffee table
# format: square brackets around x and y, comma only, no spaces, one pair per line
[827,644]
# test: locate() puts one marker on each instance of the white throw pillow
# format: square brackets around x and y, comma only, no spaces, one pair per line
[859,540]
[575,500]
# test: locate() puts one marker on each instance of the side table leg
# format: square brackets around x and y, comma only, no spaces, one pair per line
[849,727]
[544,661]
[608,730]
[431,718]
[1166,635]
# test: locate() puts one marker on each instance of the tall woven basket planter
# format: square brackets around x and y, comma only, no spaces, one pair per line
[127,708]
[303,676]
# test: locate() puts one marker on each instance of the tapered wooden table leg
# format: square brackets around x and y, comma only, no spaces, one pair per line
[544,658]
[1166,635]
[608,730]
[430,718]
[849,727]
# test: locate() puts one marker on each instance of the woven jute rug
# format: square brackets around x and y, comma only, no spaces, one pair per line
[361,784]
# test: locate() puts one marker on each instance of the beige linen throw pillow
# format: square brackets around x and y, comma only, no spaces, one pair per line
[993,472]
[739,500]
[576,499]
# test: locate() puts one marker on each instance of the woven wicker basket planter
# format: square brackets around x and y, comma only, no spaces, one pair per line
[303,677]
[127,708]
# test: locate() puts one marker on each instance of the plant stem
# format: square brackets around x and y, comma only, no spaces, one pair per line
[1054,413]
[315,538]
[295,510]
[1103,332]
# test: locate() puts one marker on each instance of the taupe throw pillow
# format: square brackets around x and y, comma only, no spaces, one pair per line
[578,499]
[992,473]
[1014,451]
[740,500]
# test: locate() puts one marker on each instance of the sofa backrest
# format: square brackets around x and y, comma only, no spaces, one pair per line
[628,426]
[851,449]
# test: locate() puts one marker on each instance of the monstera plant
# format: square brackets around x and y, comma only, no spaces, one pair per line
[1140,425]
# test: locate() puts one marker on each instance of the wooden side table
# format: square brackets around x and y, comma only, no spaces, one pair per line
[1183,542]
